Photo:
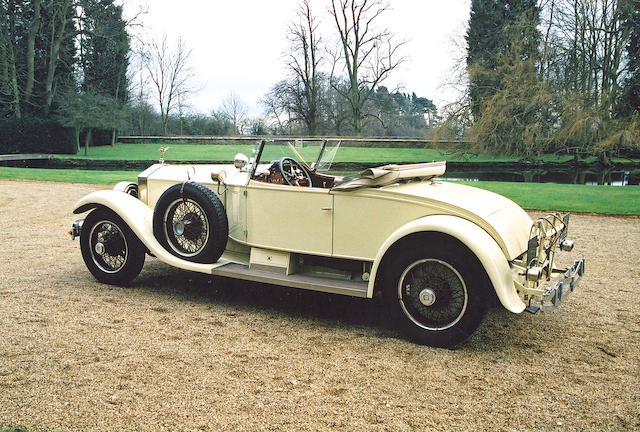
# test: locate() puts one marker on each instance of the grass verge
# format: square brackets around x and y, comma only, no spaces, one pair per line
[612,200]
[226,152]
[68,176]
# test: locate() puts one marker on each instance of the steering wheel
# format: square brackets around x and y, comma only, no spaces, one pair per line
[293,172]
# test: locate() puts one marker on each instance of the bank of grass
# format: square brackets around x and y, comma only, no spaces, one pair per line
[68,175]
[612,200]
[226,152]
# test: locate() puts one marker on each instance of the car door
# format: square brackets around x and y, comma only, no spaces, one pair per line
[292,218]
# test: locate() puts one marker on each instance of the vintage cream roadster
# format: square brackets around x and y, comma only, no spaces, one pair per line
[438,252]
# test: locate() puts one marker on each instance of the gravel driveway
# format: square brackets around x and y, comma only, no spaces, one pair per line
[182,351]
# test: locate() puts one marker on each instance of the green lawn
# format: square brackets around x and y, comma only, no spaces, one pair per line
[226,152]
[69,175]
[614,200]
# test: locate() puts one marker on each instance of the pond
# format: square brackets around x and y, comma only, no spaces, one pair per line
[593,175]
[626,175]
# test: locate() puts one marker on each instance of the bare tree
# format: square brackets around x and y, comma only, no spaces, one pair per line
[234,110]
[584,48]
[170,74]
[138,80]
[367,55]
[303,61]
[277,109]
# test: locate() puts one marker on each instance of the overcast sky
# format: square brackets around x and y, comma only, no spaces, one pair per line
[238,45]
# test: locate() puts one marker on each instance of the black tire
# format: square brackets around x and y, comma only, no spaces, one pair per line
[111,251]
[190,221]
[436,292]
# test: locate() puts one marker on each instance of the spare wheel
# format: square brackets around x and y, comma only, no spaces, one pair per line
[189,221]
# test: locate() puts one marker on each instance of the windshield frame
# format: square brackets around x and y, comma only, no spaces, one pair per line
[258,151]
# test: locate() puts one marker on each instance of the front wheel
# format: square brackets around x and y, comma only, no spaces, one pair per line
[437,294]
[111,251]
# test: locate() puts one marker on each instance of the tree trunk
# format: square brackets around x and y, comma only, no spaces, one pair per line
[77,138]
[87,141]
[14,82]
[113,137]
[31,40]
[12,79]
[54,53]
[4,63]
[165,123]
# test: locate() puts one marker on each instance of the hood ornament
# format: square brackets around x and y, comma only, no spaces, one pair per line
[162,151]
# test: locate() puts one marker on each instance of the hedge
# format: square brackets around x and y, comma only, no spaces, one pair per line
[36,135]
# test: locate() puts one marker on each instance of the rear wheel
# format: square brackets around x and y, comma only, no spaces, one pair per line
[436,293]
[111,251]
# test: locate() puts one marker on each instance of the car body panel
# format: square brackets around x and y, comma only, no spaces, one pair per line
[476,239]
[289,218]
[390,207]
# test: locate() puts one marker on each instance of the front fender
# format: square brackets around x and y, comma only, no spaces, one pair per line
[476,239]
[139,218]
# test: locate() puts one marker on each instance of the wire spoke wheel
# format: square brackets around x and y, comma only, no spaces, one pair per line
[186,226]
[111,251]
[108,246]
[190,222]
[432,294]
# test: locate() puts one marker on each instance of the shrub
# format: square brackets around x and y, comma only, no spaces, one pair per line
[35,135]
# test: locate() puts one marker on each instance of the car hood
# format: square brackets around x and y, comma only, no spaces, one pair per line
[503,219]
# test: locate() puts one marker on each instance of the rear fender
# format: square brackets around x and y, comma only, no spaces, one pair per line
[139,218]
[476,239]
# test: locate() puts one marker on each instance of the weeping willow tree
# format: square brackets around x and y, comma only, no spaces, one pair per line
[530,95]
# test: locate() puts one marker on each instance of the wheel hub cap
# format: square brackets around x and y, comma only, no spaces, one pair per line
[427,297]
[178,228]
[99,247]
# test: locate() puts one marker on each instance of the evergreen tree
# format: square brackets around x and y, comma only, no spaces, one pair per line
[629,103]
[498,29]
[104,49]
[484,41]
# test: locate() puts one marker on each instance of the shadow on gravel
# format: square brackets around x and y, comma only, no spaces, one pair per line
[329,310]
[365,316]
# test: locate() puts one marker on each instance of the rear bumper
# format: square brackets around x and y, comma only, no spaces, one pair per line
[546,299]
[565,286]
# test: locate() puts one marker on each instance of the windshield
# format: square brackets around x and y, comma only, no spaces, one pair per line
[316,154]
[326,157]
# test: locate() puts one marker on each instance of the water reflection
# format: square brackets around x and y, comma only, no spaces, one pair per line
[566,175]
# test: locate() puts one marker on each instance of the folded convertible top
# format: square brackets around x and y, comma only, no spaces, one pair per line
[389,174]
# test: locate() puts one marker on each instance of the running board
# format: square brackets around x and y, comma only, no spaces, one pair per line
[335,286]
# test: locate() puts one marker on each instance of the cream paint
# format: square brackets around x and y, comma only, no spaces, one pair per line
[290,218]
[476,239]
